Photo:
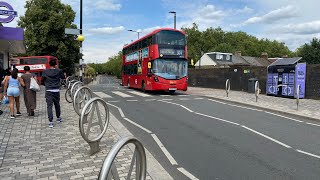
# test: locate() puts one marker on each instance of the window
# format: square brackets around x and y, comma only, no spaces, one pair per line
[228,57]
[171,38]
[219,57]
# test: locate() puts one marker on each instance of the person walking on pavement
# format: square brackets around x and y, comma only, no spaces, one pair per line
[11,89]
[30,96]
[51,79]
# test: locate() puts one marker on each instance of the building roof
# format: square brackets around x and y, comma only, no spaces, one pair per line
[286,61]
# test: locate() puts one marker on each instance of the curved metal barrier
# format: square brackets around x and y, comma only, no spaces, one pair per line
[70,83]
[257,90]
[108,169]
[81,97]
[67,96]
[298,96]
[87,122]
[75,86]
[227,87]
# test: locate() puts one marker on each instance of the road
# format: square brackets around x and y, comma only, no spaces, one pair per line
[207,139]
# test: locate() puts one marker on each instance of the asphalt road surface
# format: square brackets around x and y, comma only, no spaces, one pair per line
[206,139]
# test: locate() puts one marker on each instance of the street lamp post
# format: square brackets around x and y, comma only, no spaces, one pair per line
[80,62]
[135,31]
[175,16]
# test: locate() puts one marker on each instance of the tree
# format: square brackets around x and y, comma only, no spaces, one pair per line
[91,72]
[44,23]
[310,52]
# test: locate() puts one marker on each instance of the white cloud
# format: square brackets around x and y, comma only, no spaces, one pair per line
[245,10]
[208,14]
[106,30]
[108,5]
[274,16]
[312,27]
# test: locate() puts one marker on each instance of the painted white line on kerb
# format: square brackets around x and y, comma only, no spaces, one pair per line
[177,105]
[133,100]
[165,95]
[198,98]
[217,119]
[189,175]
[283,116]
[164,150]
[184,95]
[150,99]
[166,99]
[309,154]
[217,101]
[119,109]
[138,125]
[312,124]
[235,105]
[265,136]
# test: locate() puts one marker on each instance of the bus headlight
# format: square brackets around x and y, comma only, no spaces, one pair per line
[156,79]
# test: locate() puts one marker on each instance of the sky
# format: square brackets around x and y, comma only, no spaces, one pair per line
[106,22]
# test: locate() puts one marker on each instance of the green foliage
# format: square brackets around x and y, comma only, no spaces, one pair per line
[310,52]
[44,23]
[91,71]
[217,40]
[112,67]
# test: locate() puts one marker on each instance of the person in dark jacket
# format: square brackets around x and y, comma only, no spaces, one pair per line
[51,79]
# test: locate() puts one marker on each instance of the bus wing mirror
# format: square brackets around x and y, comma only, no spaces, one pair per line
[149,75]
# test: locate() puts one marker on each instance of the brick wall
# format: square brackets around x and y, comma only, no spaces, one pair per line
[239,78]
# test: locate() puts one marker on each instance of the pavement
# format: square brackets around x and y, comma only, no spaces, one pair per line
[29,149]
[308,108]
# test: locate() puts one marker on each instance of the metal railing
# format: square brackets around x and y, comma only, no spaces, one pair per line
[108,169]
[81,97]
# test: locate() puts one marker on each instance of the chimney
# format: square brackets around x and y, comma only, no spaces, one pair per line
[264,55]
[237,53]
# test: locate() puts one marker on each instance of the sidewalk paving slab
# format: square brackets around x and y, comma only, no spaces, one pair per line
[29,149]
[308,108]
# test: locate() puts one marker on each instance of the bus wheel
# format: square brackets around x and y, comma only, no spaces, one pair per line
[172,91]
[143,87]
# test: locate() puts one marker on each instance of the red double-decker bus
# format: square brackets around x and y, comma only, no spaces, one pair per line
[36,63]
[157,61]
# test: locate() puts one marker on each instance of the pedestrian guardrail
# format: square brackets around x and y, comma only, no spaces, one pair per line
[94,119]
[257,90]
[81,97]
[227,87]
[109,170]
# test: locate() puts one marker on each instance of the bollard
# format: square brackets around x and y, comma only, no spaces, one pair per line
[257,90]
[227,87]
[298,96]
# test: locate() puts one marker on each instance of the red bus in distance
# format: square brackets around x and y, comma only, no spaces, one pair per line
[157,61]
[36,63]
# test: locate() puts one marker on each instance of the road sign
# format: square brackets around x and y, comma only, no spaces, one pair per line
[7,14]
[72,31]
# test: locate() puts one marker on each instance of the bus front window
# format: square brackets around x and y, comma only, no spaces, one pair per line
[170,69]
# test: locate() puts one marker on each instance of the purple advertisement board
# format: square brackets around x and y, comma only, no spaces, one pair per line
[300,77]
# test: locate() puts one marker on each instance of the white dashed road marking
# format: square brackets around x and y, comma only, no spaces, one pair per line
[189,175]
[164,150]
[102,95]
[139,93]
[121,94]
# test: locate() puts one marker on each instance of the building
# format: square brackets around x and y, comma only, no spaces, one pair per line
[11,39]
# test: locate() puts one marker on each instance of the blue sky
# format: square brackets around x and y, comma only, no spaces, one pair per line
[106,22]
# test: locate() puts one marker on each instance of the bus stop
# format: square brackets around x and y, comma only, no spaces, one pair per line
[285,76]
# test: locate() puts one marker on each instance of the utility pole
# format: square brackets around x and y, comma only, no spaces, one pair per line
[175,18]
[80,62]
